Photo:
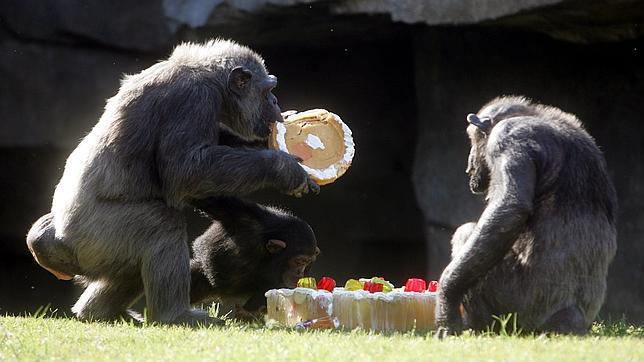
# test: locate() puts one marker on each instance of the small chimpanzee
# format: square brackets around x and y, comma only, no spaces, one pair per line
[116,221]
[542,246]
[248,249]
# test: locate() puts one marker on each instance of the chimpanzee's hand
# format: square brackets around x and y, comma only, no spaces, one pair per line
[448,317]
[291,178]
[307,185]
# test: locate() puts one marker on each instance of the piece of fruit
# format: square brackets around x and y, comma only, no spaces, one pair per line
[353,284]
[307,282]
[415,285]
[386,286]
[433,286]
[373,287]
[326,283]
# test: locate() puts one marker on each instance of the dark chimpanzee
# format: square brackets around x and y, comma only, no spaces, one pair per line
[248,249]
[116,218]
[542,246]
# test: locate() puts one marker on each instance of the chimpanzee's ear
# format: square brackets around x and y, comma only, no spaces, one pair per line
[239,80]
[275,246]
[484,124]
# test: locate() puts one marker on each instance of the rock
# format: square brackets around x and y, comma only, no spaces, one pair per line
[440,12]
[139,25]
[52,95]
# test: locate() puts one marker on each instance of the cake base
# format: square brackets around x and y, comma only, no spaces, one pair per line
[396,311]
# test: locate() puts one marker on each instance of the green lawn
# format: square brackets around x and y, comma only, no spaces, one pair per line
[39,338]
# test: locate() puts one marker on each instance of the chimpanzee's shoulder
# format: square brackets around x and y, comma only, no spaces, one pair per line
[518,133]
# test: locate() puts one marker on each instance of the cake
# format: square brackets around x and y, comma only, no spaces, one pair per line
[290,306]
[320,139]
[396,310]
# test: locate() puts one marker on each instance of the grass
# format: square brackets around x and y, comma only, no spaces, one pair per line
[40,337]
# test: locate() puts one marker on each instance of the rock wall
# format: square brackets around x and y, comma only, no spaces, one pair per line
[403,88]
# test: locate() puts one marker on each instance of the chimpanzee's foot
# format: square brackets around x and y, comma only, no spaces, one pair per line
[569,320]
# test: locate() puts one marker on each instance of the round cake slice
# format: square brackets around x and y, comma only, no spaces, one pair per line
[320,139]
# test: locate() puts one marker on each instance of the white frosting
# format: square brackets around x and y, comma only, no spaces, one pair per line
[275,292]
[314,293]
[322,297]
[389,296]
[331,171]
[356,294]
[281,134]
[327,173]
[290,112]
[314,142]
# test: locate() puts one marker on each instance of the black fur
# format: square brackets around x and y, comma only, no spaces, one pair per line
[233,258]
[116,217]
[542,246]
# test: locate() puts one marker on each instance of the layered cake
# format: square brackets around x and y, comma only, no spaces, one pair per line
[371,304]
[320,139]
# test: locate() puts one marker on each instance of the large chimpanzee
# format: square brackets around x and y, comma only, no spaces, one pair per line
[116,218]
[542,246]
[248,249]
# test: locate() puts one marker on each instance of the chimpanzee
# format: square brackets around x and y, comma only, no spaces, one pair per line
[116,220]
[248,249]
[542,246]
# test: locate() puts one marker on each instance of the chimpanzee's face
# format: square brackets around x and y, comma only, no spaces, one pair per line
[298,267]
[292,248]
[270,111]
[257,106]
[477,169]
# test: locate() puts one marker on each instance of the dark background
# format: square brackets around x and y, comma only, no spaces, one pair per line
[403,87]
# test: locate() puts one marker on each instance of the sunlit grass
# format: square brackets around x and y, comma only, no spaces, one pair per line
[43,337]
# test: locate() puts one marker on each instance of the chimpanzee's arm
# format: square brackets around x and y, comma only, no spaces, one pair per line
[510,204]
[209,169]
[200,288]
[191,165]
[230,139]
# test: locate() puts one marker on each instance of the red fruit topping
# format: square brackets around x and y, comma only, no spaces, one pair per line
[433,286]
[372,287]
[415,285]
[326,283]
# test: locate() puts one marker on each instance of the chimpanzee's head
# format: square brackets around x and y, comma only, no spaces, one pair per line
[480,126]
[246,104]
[252,107]
[293,248]
[477,168]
